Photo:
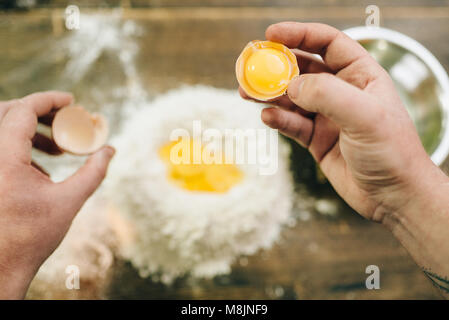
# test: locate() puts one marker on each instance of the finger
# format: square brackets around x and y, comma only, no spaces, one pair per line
[319,136]
[309,63]
[244,95]
[283,102]
[48,118]
[325,136]
[42,103]
[337,49]
[45,144]
[79,187]
[19,124]
[33,106]
[346,105]
[290,124]
[5,106]
[38,167]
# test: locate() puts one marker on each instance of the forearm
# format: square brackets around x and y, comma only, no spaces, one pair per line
[422,227]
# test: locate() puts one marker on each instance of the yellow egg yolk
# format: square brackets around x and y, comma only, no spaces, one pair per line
[267,70]
[218,178]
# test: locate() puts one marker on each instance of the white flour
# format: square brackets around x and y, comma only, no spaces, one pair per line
[173,231]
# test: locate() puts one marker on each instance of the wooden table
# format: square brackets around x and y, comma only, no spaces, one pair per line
[324,257]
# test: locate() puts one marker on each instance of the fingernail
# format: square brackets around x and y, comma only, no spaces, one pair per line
[67,93]
[108,151]
[266,116]
[295,87]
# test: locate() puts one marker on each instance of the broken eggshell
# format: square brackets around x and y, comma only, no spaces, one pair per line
[264,69]
[77,131]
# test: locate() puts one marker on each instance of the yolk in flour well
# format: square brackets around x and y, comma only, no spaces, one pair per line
[206,177]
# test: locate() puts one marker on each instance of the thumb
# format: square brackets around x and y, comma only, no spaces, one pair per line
[346,105]
[79,187]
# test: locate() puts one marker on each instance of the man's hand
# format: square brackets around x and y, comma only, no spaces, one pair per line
[36,213]
[346,111]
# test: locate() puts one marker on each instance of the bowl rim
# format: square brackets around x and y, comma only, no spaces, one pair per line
[400,39]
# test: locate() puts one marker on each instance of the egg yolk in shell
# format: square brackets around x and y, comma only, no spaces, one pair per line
[267,70]
[206,177]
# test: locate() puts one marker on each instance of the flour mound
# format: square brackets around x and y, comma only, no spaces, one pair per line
[166,231]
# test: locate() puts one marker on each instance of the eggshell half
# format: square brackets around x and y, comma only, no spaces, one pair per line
[249,49]
[77,131]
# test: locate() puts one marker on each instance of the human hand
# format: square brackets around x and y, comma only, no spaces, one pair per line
[346,111]
[36,213]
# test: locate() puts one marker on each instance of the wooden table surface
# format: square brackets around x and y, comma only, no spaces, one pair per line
[323,257]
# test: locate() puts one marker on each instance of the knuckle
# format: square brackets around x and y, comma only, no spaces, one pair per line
[15,103]
[30,97]
[329,29]
[283,124]
[272,29]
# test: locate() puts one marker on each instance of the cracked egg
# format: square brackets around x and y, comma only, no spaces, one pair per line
[77,131]
[265,68]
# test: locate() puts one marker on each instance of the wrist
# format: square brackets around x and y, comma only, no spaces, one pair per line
[421,225]
[14,282]
[425,191]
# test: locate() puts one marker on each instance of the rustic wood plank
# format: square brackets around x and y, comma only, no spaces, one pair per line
[238,3]
[321,258]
